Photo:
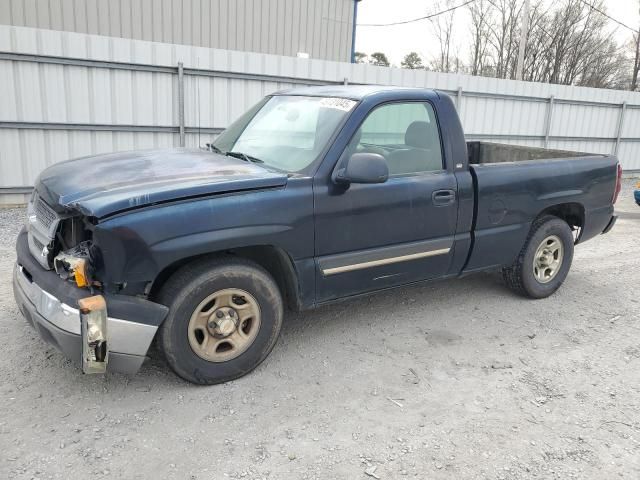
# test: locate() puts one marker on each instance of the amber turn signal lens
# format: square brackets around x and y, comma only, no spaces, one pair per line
[80,273]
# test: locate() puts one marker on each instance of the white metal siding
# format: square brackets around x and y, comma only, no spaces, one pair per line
[96,109]
[322,28]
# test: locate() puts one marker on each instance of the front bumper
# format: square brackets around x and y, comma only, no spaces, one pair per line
[59,324]
[50,304]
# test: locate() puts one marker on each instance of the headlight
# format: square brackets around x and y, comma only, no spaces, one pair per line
[75,264]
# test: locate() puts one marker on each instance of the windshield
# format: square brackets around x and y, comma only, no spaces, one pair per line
[285,132]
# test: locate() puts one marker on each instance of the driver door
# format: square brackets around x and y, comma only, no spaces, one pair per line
[374,236]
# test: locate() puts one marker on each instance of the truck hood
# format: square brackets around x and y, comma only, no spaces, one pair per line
[102,185]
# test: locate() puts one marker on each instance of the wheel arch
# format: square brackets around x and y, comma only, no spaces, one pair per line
[274,260]
[572,213]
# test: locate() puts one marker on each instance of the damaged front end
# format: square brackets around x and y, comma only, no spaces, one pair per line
[64,243]
[76,265]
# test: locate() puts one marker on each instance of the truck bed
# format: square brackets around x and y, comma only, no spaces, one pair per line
[514,184]
[488,152]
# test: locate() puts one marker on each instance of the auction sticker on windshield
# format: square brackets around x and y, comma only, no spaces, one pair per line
[343,104]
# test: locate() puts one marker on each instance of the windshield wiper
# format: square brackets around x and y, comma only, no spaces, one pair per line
[244,156]
[213,148]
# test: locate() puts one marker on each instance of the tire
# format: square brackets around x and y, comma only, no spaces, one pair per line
[524,276]
[226,280]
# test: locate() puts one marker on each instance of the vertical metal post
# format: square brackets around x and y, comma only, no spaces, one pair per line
[547,127]
[523,39]
[620,125]
[181,102]
[353,31]
[459,101]
[345,81]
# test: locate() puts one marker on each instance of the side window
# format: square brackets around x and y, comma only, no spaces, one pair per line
[406,134]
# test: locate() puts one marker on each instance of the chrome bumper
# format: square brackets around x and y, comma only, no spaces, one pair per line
[60,325]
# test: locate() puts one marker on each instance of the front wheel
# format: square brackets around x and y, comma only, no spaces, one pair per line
[224,318]
[545,259]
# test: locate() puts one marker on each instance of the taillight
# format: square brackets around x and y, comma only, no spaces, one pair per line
[616,192]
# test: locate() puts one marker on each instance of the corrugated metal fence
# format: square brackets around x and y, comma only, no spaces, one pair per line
[65,95]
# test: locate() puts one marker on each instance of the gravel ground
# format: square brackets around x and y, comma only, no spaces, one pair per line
[456,379]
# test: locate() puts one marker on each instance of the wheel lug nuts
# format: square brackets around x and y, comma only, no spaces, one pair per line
[219,314]
[232,313]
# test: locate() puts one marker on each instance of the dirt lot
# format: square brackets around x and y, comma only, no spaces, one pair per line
[458,379]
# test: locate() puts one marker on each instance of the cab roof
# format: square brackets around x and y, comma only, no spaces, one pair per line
[355,92]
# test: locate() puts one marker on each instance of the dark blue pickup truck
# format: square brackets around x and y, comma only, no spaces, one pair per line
[313,195]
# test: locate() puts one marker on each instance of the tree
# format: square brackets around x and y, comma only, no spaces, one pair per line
[480,29]
[636,62]
[442,25]
[412,61]
[379,59]
[574,46]
[568,42]
[360,57]
[504,36]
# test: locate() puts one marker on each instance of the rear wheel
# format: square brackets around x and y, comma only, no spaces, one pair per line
[224,318]
[545,259]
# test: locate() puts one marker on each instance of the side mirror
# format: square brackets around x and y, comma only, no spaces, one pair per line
[364,168]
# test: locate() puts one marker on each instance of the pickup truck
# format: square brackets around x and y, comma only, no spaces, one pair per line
[313,195]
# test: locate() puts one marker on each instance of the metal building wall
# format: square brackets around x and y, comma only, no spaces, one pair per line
[321,28]
[65,95]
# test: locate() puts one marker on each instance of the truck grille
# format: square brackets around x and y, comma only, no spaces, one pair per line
[44,214]
[43,223]
[37,244]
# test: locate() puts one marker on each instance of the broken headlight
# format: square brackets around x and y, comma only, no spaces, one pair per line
[75,264]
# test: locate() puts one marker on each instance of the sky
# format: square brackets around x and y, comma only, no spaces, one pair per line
[397,41]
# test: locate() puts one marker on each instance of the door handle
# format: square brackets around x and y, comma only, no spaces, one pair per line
[443,197]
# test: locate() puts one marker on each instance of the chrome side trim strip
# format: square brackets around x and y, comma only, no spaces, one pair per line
[384,261]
